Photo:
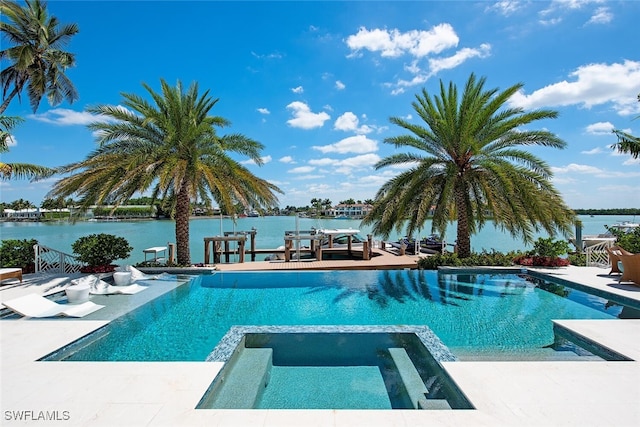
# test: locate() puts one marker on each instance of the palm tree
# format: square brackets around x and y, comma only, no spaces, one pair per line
[628,143]
[37,60]
[17,170]
[170,147]
[466,162]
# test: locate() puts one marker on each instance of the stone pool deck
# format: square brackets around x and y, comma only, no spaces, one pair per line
[504,393]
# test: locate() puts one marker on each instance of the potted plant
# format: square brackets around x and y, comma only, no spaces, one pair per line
[99,251]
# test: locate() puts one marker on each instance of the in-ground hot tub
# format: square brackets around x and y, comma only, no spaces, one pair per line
[336,367]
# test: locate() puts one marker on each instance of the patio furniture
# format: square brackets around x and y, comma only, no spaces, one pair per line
[10,273]
[34,305]
[630,268]
[77,293]
[614,257]
[121,278]
[112,290]
[155,251]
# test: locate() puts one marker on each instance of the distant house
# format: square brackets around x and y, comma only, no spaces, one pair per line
[22,214]
[28,214]
[354,211]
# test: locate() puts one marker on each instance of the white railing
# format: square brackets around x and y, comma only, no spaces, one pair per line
[49,260]
[597,255]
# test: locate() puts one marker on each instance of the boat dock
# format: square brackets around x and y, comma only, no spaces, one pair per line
[381,260]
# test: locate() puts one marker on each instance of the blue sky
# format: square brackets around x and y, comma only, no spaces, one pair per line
[316,82]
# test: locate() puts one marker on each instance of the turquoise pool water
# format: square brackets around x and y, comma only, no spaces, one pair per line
[470,313]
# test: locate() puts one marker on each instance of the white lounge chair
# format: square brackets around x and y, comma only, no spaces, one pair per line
[98,286]
[139,275]
[34,305]
[111,290]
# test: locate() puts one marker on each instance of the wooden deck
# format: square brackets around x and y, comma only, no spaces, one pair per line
[382,260]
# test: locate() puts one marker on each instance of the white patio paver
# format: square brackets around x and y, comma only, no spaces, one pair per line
[166,393]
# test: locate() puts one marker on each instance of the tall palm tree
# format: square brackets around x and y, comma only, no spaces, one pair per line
[17,170]
[37,59]
[170,147]
[466,162]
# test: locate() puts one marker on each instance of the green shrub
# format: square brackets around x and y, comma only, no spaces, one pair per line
[19,254]
[101,249]
[550,247]
[627,241]
[484,258]
[577,259]
[546,253]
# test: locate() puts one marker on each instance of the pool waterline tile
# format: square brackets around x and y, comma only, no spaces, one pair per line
[228,344]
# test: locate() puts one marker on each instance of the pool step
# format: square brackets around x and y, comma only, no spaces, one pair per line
[410,376]
[434,404]
[243,385]
[417,390]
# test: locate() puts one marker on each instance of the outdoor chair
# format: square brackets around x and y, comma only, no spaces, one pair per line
[630,268]
[10,273]
[34,305]
[614,257]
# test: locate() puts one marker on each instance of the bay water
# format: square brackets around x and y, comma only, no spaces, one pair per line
[270,232]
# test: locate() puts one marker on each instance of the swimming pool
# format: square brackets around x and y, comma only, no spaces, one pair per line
[474,314]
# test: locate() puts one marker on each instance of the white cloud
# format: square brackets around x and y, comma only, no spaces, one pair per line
[325,161]
[340,85]
[66,117]
[274,55]
[298,89]
[309,177]
[631,161]
[602,15]
[550,22]
[303,117]
[349,122]
[596,150]
[12,141]
[600,128]
[364,160]
[593,84]
[574,167]
[505,7]
[437,64]
[393,43]
[560,7]
[286,159]
[594,171]
[302,169]
[353,144]
[264,111]
[574,4]
[265,160]
[346,166]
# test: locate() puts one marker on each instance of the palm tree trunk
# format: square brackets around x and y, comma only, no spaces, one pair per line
[183,204]
[7,101]
[463,240]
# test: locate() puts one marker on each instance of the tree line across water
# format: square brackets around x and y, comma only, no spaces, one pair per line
[61,203]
